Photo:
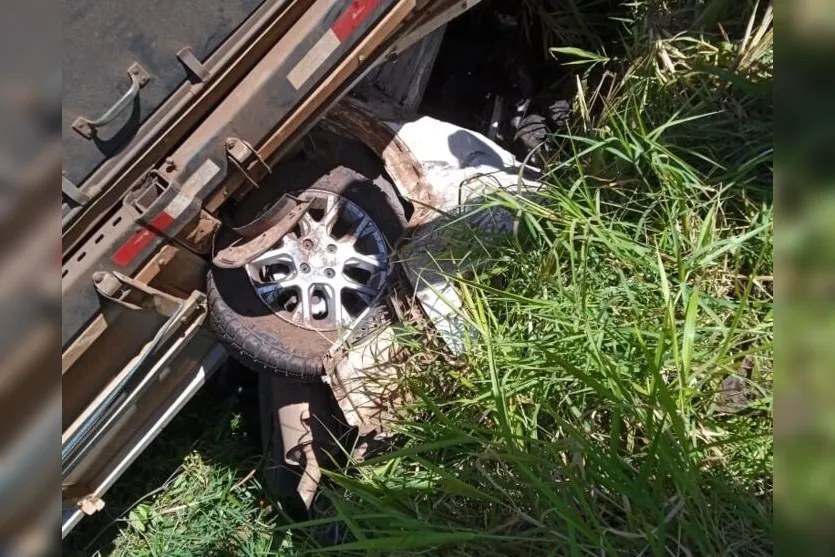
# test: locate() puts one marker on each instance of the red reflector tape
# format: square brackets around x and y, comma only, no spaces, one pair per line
[353,17]
[142,239]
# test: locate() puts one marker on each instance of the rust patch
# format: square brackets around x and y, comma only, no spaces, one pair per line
[286,217]
[405,170]
[198,234]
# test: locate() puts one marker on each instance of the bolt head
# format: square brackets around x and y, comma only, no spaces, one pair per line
[307,244]
[332,248]
[305,268]
[330,273]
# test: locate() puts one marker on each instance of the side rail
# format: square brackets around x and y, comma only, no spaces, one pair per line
[135,347]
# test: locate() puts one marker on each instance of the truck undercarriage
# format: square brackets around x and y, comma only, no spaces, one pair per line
[257,214]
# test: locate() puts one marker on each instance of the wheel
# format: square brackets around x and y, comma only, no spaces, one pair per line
[283,312]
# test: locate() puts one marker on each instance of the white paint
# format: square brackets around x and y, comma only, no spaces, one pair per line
[314,59]
[460,167]
[193,186]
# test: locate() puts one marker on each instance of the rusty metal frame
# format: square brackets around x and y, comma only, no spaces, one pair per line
[213,102]
[229,65]
[196,167]
[81,437]
[189,382]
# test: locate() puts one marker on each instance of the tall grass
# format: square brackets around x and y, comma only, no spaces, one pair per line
[195,491]
[616,395]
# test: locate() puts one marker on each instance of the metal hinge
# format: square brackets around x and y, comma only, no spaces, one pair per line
[73,192]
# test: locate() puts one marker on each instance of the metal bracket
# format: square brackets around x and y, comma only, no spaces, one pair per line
[148,190]
[73,192]
[87,128]
[239,152]
[98,420]
[133,294]
[193,65]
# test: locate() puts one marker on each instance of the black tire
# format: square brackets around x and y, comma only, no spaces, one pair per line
[255,336]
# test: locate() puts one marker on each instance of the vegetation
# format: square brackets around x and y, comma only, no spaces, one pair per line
[616,395]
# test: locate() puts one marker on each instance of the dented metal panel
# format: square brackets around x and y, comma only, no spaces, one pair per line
[447,171]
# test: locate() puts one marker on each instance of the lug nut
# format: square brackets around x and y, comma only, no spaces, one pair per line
[332,248]
[305,268]
[330,273]
[307,244]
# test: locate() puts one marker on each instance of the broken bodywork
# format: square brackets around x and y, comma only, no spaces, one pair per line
[447,172]
[137,234]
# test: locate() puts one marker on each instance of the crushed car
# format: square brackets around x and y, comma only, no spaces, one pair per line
[227,200]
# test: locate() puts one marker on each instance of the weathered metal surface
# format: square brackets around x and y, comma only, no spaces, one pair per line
[370,45]
[133,294]
[431,15]
[101,39]
[193,65]
[72,192]
[84,372]
[186,375]
[304,435]
[198,234]
[401,166]
[89,433]
[263,110]
[199,165]
[403,77]
[239,152]
[365,385]
[184,108]
[289,212]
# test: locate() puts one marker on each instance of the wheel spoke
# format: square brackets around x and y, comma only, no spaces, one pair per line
[281,254]
[331,217]
[370,263]
[365,292]
[307,224]
[267,288]
[334,305]
[356,231]
[304,304]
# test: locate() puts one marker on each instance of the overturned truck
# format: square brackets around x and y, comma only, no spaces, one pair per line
[222,197]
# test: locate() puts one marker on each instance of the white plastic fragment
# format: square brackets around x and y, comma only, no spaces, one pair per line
[460,167]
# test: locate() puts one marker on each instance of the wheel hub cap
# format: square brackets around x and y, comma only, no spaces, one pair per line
[328,270]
